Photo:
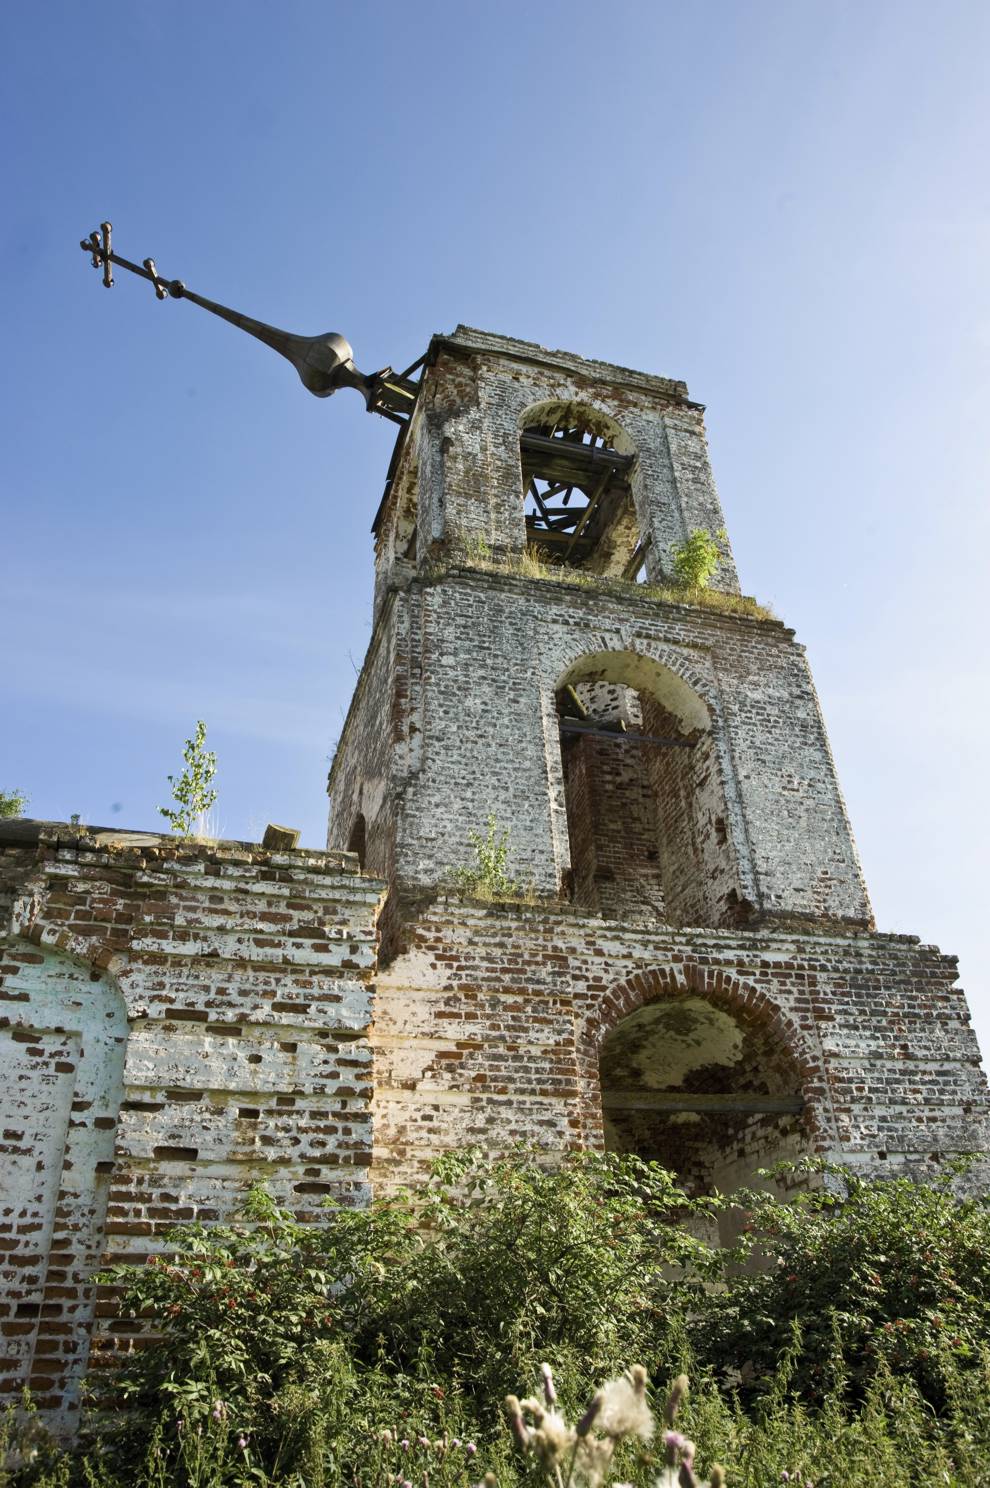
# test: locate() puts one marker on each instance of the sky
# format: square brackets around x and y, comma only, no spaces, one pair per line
[785,204]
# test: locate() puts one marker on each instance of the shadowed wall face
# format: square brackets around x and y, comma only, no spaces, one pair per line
[59,1098]
[687,1084]
[226,1046]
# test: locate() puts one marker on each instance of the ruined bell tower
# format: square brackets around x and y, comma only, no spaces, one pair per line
[694,972]
[690,972]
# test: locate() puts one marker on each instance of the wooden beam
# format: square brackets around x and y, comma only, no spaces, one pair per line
[635,563]
[539,444]
[577,726]
[575,701]
[592,503]
[554,537]
[673,1103]
[539,501]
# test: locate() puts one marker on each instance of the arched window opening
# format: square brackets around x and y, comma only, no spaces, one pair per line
[577,492]
[358,840]
[646,811]
[612,818]
[713,1098]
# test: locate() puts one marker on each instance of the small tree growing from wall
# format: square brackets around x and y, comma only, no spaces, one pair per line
[697,559]
[12,803]
[488,877]
[192,790]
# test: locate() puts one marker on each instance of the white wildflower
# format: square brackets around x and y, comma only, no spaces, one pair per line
[593,1459]
[625,1411]
[553,1439]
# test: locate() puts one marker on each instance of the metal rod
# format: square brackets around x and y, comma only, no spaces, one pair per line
[415,366]
[575,726]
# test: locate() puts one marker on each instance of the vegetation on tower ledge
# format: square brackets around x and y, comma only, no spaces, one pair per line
[476,554]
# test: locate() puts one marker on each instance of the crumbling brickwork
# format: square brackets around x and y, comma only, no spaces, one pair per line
[696,976]
[493,1019]
[176,1021]
[478,659]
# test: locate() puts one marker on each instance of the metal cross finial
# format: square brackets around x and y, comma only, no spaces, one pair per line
[100,251]
[324,363]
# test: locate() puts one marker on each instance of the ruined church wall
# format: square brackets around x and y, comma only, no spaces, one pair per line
[488,1025]
[365,774]
[233,989]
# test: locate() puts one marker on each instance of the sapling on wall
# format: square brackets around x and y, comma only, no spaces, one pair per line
[697,558]
[12,803]
[488,877]
[192,791]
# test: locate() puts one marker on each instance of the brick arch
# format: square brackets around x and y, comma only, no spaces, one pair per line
[30,922]
[645,672]
[691,692]
[583,410]
[574,646]
[749,1004]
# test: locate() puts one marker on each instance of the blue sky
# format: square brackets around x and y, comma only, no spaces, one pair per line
[786,204]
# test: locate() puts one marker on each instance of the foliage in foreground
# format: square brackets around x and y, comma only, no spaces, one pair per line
[376,1348]
[883,1275]
[493,1267]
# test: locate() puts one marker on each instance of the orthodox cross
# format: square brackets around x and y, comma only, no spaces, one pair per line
[324,363]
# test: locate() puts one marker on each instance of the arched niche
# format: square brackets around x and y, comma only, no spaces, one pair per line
[358,841]
[61,1074]
[648,822]
[708,1090]
[579,478]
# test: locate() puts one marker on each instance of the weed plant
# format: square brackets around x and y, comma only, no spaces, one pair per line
[488,877]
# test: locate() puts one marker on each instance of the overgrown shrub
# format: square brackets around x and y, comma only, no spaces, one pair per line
[12,803]
[885,1275]
[496,1265]
[376,1348]
[523,1261]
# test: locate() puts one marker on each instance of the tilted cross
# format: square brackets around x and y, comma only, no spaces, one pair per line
[324,363]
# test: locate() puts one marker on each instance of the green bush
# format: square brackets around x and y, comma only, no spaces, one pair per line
[522,1261]
[376,1348]
[887,1275]
[12,803]
[495,1265]
[488,876]
[697,558]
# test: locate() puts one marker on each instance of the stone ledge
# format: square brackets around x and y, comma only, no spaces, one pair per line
[20,832]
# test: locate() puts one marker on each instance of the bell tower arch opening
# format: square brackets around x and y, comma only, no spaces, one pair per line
[704,1089]
[578,469]
[646,806]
